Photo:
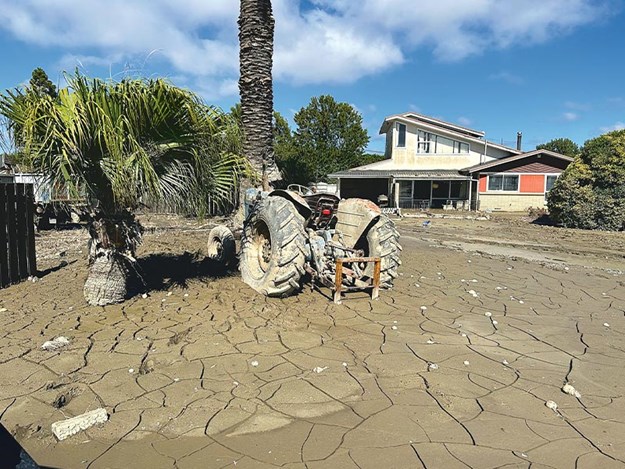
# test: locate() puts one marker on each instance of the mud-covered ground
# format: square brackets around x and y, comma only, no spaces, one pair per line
[203,372]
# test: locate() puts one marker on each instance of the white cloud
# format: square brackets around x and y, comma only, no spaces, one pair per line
[319,41]
[465,121]
[616,126]
[570,116]
[507,77]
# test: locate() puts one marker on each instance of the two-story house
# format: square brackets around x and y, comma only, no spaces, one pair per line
[431,163]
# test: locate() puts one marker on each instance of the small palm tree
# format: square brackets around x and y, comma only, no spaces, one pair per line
[118,144]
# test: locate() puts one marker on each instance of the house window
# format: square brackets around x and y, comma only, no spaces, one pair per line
[432,143]
[503,182]
[551,180]
[460,147]
[426,142]
[401,135]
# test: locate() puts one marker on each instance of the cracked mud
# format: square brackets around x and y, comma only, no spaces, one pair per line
[203,372]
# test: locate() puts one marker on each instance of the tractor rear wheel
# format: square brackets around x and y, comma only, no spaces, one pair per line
[221,246]
[273,248]
[382,240]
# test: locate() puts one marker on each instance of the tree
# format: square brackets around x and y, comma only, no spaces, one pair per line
[256,31]
[564,146]
[116,144]
[329,137]
[40,84]
[591,192]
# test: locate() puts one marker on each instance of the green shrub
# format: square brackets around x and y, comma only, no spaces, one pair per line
[590,194]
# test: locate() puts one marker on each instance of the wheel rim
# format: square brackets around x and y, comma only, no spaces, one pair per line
[262,245]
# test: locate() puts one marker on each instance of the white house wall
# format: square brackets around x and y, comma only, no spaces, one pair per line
[408,158]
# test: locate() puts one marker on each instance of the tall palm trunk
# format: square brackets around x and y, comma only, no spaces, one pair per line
[112,262]
[256,29]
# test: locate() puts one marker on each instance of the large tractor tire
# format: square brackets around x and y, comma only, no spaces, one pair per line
[273,248]
[221,246]
[382,240]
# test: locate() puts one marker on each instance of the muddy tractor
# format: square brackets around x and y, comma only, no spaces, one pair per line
[289,235]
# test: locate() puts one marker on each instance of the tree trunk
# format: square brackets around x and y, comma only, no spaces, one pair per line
[107,282]
[256,29]
[111,258]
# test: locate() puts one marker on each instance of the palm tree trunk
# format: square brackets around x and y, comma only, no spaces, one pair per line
[256,30]
[112,263]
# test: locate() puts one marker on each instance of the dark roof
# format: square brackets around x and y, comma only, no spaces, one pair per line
[510,159]
[399,173]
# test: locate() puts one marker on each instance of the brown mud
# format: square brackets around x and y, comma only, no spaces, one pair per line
[204,372]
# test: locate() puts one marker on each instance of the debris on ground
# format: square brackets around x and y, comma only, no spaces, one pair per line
[319,369]
[571,391]
[55,344]
[552,405]
[68,427]
[432,367]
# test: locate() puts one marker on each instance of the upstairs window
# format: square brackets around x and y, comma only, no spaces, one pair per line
[432,143]
[401,135]
[503,182]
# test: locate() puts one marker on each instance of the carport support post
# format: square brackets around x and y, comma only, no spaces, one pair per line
[470,191]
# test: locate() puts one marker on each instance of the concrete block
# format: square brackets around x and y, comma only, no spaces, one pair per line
[68,427]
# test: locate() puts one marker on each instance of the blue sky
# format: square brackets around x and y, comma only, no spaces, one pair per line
[548,68]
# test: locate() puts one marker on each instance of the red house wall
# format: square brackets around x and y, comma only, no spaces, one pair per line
[532,183]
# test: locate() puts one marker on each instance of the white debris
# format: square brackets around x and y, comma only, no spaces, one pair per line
[131,370]
[394,328]
[571,391]
[236,383]
[473,281]
[71,426]
[345,364]
[439,273]
[186,295]
[463,334]
[488,314]
[417,285]
[169,293]
[469,262]
[606,324]
[55,344]
[176,379]
[394,322]
[521,302]
[552,405]
[144,296]
[424,308]
[498,288]
[495,323]
[462,280]
[3,310]
[473,293]
[163,300]
[430,342]
[432,367]
[505,362]
[254,363]
[466,363]
[319,369]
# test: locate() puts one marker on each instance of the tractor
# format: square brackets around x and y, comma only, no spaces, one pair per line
[289,234]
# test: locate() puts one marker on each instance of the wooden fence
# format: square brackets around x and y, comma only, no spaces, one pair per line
[17,233]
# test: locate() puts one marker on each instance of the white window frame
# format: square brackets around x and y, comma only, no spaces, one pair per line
[399,124]
[518,186]
[546,176]
[432,143]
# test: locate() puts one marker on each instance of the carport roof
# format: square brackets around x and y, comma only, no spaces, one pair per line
[442,174]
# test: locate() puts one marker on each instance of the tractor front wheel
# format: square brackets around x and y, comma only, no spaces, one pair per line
[382,240]
[273,248]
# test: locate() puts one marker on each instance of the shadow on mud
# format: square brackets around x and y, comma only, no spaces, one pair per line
[162,271]
[544,220]
[62,264]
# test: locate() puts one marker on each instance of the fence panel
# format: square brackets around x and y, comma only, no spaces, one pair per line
[17,235]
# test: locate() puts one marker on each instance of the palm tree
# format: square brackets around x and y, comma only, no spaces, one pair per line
[256,29]
[118,144]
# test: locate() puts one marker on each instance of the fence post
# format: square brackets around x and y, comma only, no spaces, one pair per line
[4,247]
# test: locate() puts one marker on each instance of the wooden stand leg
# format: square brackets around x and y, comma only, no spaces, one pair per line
[377,267]
[338,281]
